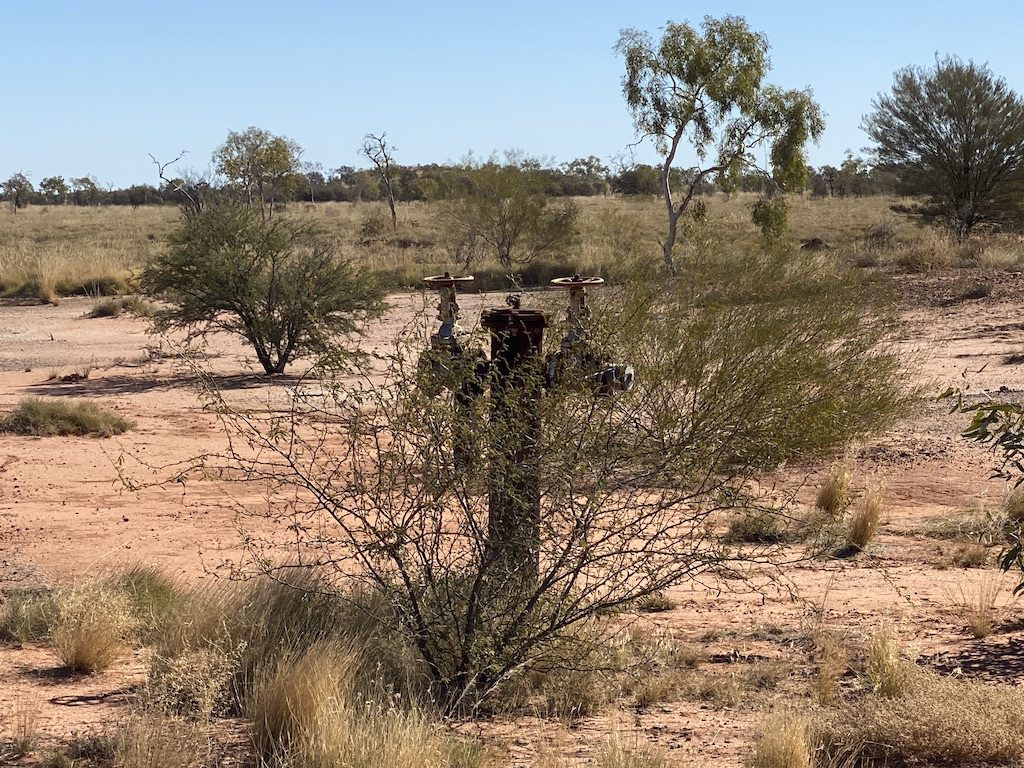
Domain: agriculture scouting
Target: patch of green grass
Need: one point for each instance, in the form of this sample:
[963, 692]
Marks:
[47, 417]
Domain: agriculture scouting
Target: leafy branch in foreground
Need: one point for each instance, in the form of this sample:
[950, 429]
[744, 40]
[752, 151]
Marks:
[1000, 426]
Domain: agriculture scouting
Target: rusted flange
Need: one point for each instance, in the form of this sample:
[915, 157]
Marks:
[513, 320]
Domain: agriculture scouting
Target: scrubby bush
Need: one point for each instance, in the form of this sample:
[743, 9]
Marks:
[881, 235]
[745, 363]
[267, 280]
[116, 306]
[48, 417]
[932, 720]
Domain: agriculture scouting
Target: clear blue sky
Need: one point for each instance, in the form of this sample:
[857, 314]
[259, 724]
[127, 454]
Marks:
[92, 87]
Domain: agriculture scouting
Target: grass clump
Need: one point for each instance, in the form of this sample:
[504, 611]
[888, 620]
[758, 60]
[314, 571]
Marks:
[831, 661]
[933, 721]
[152, 597]
[23, 727]
[785, 742]
[43, 417]
[756, 526]
[91, 628]
[865, 518]
[981, 608]
[116, 306]
[244, 629]
[155, 740]
[308, 711]
[617, 754]
[1013, 506]
[833, 497]
[970, 556]
[888, 674]
[26, 615]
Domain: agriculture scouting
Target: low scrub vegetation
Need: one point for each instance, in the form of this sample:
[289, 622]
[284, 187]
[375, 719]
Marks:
[91, 627]
[930, 720]
[116, 306]
[47, 417]
[983, 605]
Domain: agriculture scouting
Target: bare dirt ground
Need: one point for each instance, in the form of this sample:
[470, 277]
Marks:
[65, 516]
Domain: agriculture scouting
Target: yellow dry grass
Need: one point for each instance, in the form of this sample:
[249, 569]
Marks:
[865, 518]
[785, 742]
[49, 251]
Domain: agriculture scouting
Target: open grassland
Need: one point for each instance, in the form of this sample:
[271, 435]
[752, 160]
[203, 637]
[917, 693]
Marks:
[52, 251]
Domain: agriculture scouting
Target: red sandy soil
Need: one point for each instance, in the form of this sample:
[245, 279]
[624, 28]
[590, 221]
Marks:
[64, 516]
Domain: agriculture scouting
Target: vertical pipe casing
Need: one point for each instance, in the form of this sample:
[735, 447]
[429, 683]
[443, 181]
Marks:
[517, 380]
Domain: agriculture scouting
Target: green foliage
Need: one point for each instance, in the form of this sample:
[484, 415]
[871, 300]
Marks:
[506, 213]
[771, 215]
[269, 282]
[708, 90]
[955, 135]
[47, 417]
[55, 189]
[17, 190]
[742, 363]
[264, 166]
[999, 425]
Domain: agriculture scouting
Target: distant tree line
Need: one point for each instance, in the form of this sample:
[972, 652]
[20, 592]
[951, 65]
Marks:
[308, 182]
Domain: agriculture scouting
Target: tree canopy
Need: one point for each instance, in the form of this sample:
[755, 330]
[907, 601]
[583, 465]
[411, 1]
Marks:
[270, 282]
[708, 89]
[259, 163]
[954, 134]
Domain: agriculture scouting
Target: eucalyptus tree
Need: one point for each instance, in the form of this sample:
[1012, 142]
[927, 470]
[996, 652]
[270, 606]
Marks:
[17, 190]
[707, 88]
[259, 163]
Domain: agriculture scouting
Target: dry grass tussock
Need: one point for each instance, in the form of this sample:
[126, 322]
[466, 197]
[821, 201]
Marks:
[833, 497]
[20, 728]
[1013, 506]
[92, 626]
[983, 604]
[831, 660]
[307, 713]
[44, 417]
[155, 740]
[934, 720]
[115, 306]
[887, 672]
[865, 517]
[617, 753]
[786, 741]
[911, 715]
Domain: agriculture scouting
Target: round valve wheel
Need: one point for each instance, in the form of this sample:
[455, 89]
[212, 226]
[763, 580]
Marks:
[577, 282]
[446, 280]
